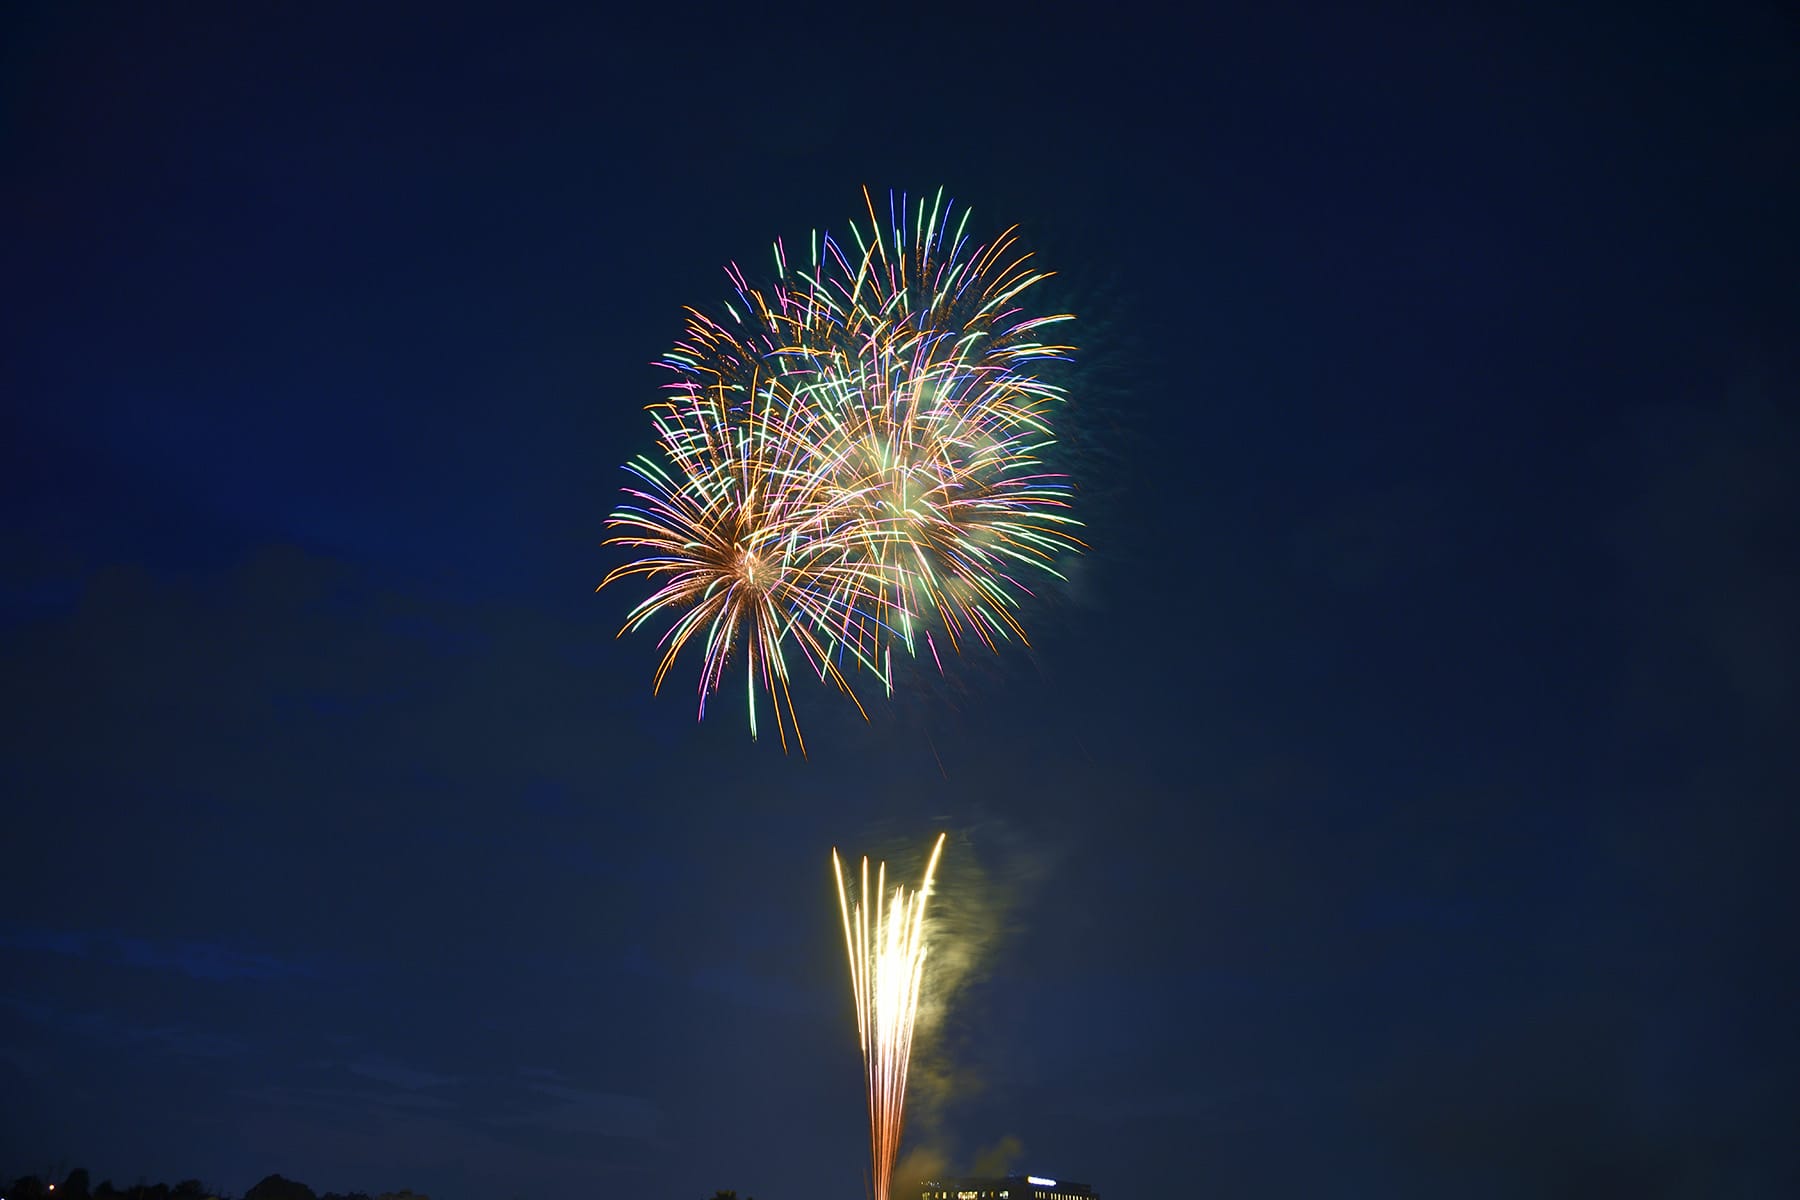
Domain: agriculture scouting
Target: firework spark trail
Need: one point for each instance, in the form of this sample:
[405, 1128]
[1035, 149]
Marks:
[885, 939]
[848, 456]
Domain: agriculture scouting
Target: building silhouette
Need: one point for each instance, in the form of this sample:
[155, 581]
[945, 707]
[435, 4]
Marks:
[1009, 1187]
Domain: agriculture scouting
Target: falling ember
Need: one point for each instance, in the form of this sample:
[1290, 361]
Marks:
[885, 938]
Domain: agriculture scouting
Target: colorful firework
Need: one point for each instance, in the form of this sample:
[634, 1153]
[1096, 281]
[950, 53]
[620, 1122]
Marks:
[849, 458]
[885, 938]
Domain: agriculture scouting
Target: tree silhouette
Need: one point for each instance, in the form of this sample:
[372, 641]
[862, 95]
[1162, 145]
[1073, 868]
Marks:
[277, 1188]
[75, 1186]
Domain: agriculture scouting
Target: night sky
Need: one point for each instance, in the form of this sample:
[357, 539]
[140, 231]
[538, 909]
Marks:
[1399, 800]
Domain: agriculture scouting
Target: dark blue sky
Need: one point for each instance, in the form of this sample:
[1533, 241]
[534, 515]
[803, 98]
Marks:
[1398, 801]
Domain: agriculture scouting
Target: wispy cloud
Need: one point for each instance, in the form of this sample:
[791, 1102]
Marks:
[588, 1113]
[209, 961]
[386, 1070]
[768, 994]
[338, 1100]
[45, 941]
[183, 1040]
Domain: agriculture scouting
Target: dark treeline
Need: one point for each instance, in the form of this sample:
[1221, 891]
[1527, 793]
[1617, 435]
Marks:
[75, 1185]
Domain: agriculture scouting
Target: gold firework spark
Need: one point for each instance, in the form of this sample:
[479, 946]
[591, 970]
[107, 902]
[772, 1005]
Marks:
[885, 938]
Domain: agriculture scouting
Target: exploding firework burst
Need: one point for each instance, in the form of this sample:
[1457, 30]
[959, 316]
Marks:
[849, 459]
[885, 939]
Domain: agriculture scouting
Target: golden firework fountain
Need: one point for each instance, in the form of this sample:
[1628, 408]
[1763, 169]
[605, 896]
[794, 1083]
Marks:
[885, 938]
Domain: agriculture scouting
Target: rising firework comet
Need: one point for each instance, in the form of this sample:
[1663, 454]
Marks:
[850, 458]
[885, 938]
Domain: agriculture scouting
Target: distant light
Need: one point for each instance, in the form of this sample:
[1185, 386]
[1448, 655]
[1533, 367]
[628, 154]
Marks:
[1040, 1182]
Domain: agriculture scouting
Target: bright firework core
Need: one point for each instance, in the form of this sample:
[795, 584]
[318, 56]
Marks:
[885, 938]
[747, 564]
